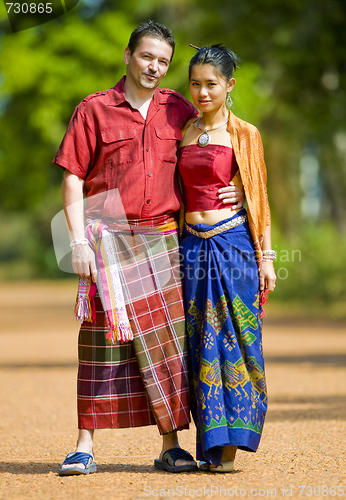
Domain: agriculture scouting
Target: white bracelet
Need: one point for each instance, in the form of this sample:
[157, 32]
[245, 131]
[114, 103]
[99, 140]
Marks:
[82, 241]
[269, 255]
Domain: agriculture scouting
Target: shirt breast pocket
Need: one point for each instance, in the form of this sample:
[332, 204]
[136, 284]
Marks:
[168, 139]
[120, 146]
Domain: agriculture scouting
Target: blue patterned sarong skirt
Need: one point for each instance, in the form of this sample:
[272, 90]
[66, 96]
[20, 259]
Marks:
[224, 330]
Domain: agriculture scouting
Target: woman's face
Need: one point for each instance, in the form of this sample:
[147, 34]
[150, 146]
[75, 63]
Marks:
[208, 88]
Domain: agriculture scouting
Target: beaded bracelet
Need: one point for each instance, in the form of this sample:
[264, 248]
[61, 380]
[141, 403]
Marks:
[269, 255]
[82, 241]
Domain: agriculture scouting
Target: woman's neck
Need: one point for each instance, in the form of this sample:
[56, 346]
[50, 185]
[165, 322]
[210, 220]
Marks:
[213, 119]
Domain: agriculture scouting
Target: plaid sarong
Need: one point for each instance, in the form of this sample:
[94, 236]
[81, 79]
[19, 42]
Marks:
[145, 381]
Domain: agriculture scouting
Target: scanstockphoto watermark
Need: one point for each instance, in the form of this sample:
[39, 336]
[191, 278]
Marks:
[225, 492]
[208, 491]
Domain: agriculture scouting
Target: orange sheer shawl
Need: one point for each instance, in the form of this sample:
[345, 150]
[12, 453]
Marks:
[252, 176]
[247, 144]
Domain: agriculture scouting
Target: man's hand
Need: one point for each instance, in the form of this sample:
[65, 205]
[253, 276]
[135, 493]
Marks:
[83, 258]
[83, 261]
[232, 195]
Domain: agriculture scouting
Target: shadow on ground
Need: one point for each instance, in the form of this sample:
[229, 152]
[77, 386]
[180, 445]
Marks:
[317, 359]
[34, 468]
[307, 408]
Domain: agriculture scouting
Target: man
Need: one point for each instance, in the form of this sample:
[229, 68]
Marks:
[126, 139]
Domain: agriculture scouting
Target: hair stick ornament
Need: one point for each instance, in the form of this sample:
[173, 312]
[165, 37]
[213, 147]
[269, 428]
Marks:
[194, 46]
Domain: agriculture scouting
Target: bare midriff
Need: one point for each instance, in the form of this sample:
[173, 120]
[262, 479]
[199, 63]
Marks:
[209, 217]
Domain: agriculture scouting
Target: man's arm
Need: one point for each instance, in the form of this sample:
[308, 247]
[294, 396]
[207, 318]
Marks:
[83, 258]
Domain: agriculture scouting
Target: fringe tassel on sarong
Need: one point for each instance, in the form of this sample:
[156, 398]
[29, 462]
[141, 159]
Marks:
[85, 303]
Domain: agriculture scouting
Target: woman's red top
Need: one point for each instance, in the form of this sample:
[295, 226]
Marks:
[203, 172]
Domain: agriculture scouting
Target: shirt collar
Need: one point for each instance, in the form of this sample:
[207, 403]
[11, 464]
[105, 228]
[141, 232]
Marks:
[117, 95]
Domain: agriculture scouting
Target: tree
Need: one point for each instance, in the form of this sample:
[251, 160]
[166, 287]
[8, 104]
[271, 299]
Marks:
[291, 84]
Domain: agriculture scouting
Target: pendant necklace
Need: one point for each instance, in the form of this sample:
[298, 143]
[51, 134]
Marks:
[204, 139]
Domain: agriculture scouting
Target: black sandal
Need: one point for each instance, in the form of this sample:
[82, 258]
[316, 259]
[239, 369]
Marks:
[169, 459]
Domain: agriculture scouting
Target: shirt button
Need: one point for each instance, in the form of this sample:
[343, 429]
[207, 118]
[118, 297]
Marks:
[150, 174]
[148, 201]
[147, 149]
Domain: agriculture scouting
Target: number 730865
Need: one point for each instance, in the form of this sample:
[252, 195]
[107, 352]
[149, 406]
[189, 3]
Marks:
[324, 491]
[32, 8]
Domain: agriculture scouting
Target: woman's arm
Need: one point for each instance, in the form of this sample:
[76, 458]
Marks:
[267, 273]
[83, 258]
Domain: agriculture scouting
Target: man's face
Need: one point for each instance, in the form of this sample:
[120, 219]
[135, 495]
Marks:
[149, 62]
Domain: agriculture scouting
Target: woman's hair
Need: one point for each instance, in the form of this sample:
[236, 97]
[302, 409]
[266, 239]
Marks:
[219, 56]
[155, 30]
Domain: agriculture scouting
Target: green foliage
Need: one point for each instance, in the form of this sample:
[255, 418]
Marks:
[310, 267]
[251, 98]
[47, 71]
[290, 84]
[27, 251]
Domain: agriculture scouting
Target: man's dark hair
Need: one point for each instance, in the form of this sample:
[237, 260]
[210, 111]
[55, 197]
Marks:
[155, 30]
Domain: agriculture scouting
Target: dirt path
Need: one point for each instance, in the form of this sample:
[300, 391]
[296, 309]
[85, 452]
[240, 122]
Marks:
[302, 452]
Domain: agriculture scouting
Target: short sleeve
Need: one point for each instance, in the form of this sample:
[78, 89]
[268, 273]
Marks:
[194, 113]
[77, 149]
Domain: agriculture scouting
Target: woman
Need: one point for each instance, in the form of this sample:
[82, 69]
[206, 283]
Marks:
[227, 264]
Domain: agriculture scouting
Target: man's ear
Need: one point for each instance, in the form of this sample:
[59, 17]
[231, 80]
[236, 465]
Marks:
[127, 55]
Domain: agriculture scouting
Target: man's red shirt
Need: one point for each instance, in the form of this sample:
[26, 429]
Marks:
[110, 145]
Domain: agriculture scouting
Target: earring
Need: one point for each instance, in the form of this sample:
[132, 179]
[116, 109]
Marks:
[229, 102]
